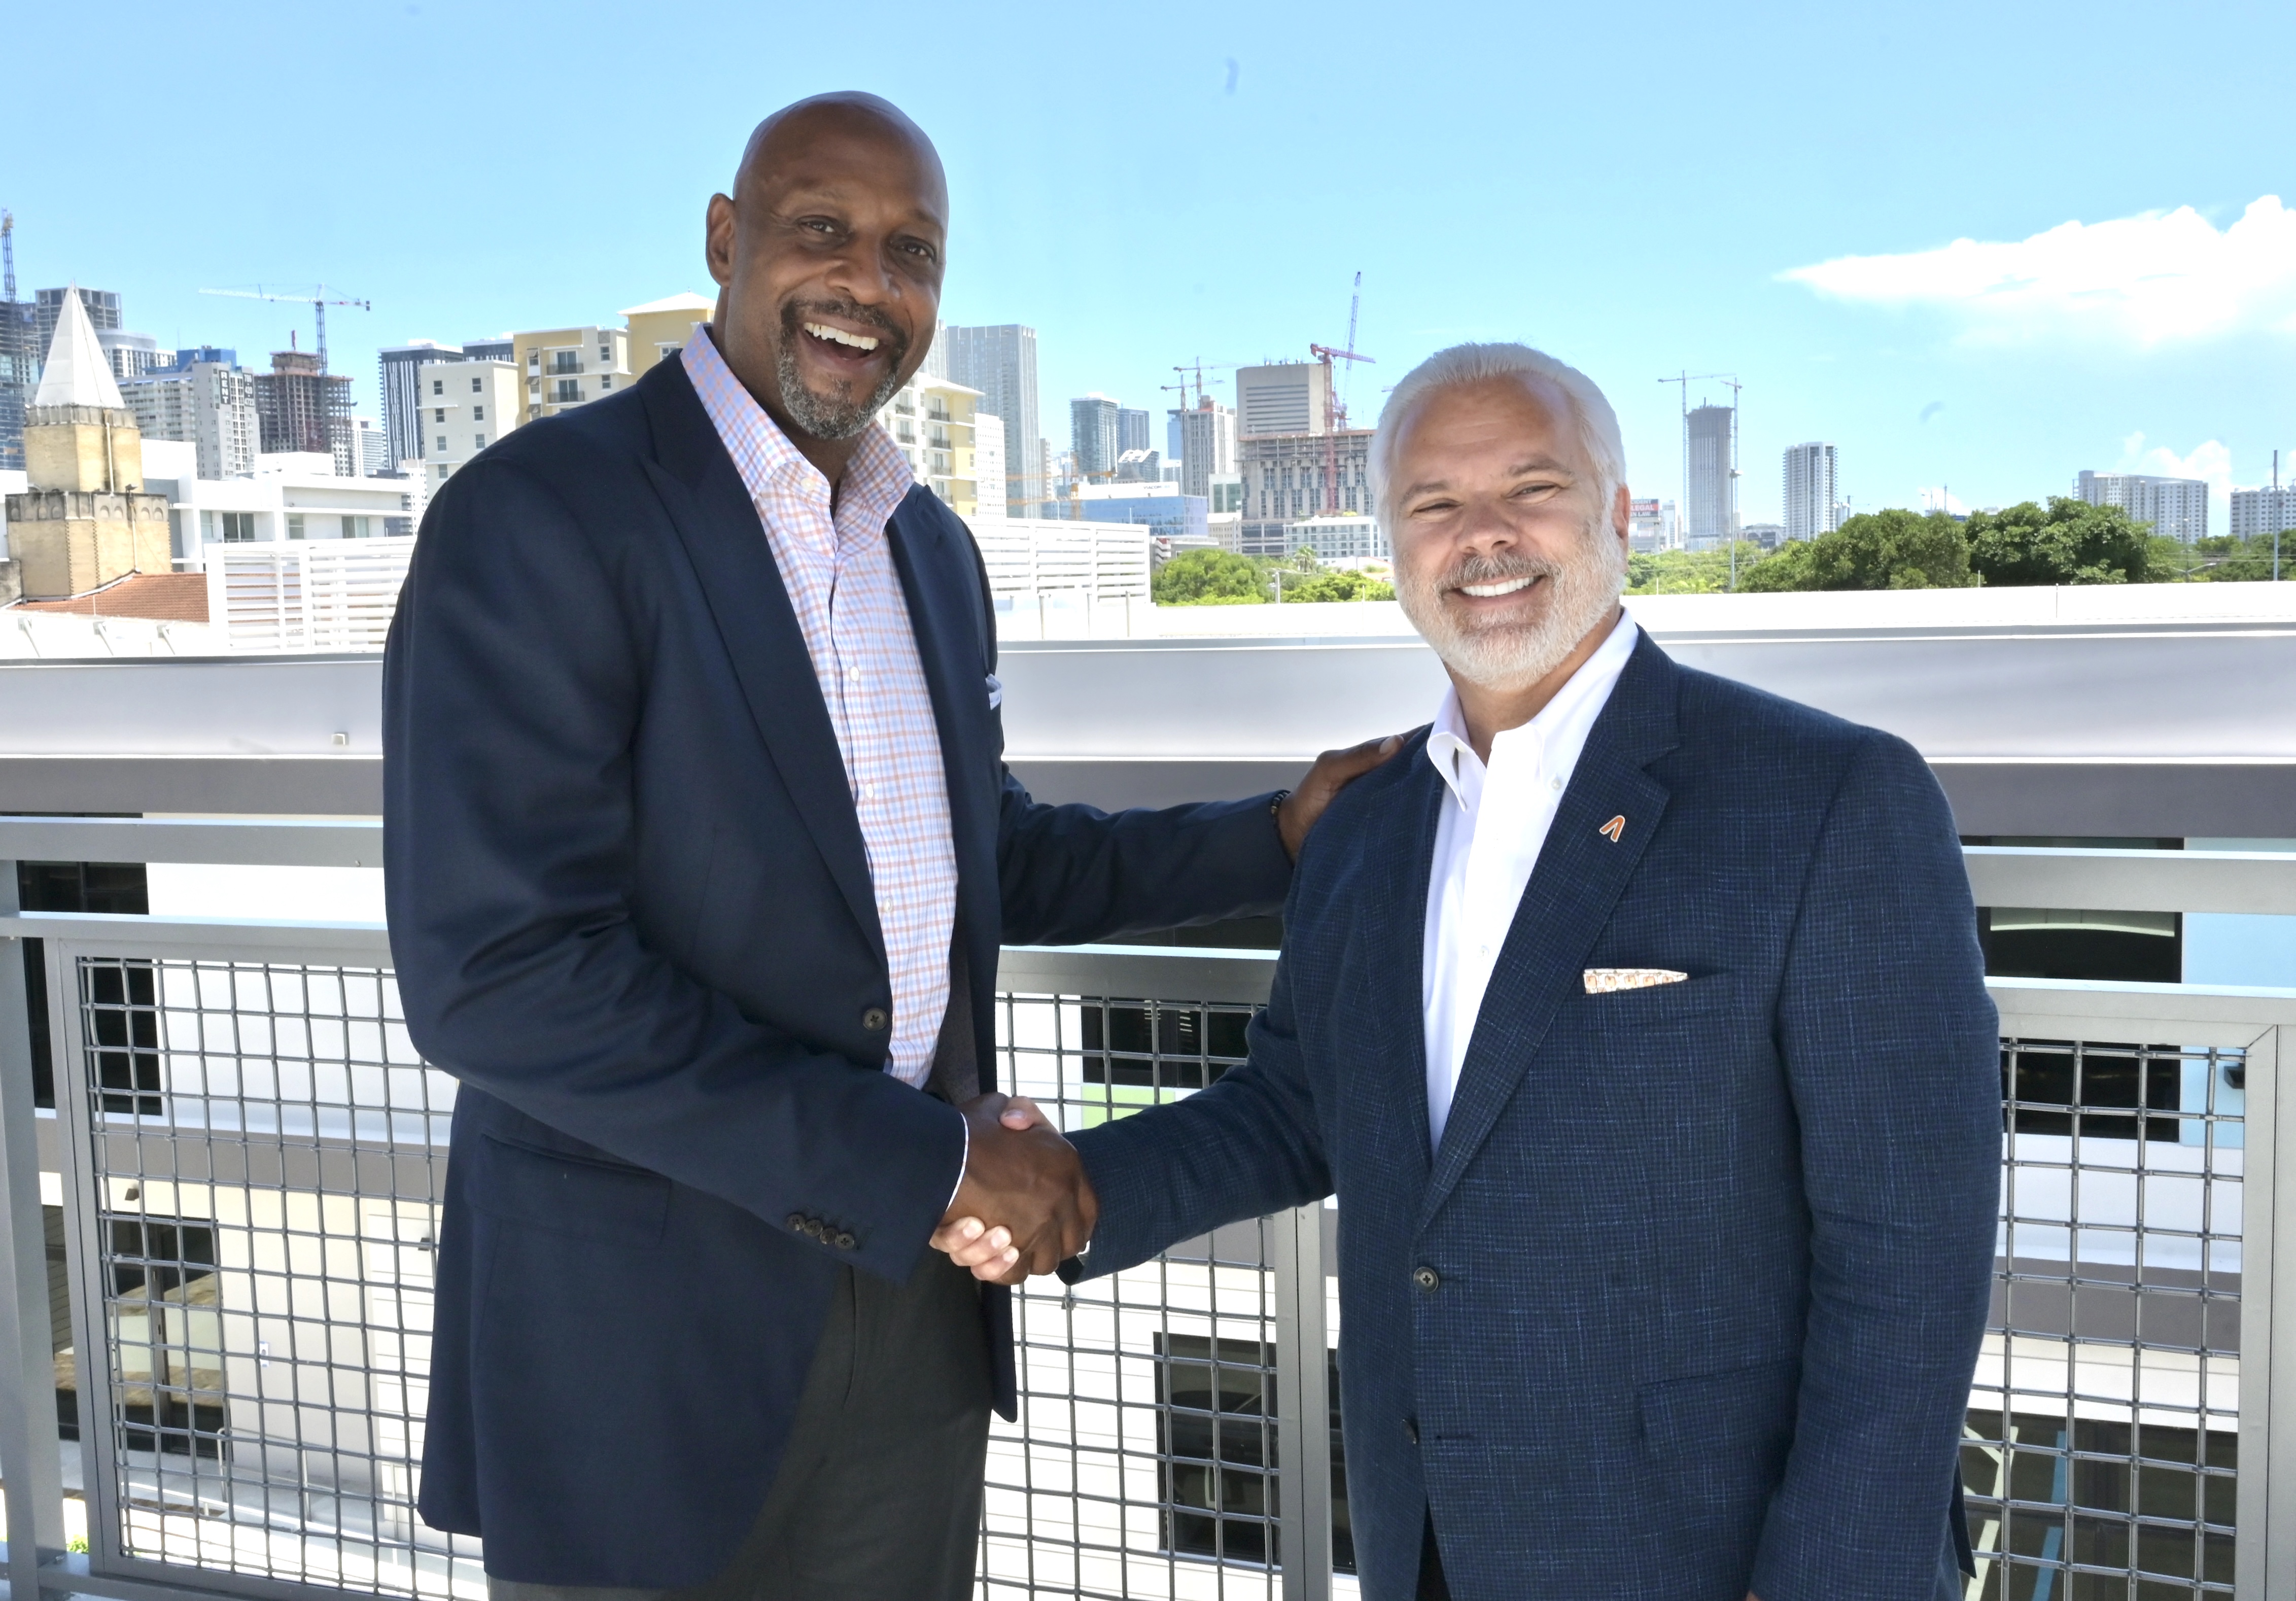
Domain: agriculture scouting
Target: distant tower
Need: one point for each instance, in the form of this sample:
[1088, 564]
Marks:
[1813, 506]
[1710, 462]
[85, 521]
[1093, 429]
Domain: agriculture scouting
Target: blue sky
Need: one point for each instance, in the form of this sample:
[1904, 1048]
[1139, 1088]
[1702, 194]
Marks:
[1629, 186]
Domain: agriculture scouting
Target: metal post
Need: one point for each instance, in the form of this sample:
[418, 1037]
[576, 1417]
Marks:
[1303, 1404]
[28, 1454]
[2264, 1550]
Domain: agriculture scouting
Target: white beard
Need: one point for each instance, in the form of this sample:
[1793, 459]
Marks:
[1580, 592]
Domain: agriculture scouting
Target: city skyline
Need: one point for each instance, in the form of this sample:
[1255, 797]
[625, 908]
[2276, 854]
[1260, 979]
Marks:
[2119, 298]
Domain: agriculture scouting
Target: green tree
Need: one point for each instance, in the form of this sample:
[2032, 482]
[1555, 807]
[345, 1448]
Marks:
[2069, 542]
[1894, 549]
[1337, 585]
[1209, 578]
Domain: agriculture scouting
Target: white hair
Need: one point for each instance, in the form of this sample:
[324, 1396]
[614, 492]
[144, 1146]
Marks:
[1461, 365]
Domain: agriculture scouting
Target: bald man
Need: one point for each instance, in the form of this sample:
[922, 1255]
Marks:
[700, 848]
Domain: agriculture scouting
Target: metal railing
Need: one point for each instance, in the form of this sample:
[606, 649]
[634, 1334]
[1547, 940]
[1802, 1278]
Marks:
[245, 1157]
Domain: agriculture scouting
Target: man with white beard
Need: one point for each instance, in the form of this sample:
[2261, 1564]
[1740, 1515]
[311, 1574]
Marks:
[1638, 1020]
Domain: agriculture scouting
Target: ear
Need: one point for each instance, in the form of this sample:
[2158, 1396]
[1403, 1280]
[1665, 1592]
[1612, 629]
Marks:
[719, 233]
[1621, 506]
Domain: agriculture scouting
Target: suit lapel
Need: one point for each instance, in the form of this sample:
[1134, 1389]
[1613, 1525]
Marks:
[718, 525]
[939, 581]
[1395, 934]
[1581, 873]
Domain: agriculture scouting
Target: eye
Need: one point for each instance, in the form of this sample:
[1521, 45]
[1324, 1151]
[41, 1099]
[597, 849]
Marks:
[919, 248]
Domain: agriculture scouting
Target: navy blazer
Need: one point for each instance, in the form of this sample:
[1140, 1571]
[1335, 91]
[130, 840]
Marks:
[1689, 1300]
[630, 911]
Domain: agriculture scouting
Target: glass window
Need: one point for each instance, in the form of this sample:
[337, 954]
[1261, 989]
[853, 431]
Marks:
[439, 414]
[475, 389]
[438, 386]
[294, 525]
[442, 441]
[478, 441]
[477, 414]
[605, 380]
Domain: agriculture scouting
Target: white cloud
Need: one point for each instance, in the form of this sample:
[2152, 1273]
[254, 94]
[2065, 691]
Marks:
[2210, 462]
[2147, 280]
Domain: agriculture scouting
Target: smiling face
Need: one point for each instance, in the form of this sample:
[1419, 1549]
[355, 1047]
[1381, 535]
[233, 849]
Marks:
[1506, 557]
[828, 264]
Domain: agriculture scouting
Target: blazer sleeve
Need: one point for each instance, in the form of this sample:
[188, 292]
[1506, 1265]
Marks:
[1075, 874]
[513, 685]
[1245, 1146]
[1891, 1048]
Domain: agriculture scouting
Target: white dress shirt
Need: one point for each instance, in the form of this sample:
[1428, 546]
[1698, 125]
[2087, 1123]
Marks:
[1486, 844]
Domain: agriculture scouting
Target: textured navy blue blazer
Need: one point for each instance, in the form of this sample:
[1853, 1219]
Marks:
[630, 911]
[1689, 1300]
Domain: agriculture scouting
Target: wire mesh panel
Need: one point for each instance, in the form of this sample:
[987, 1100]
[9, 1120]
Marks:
[1145, 1457]
[266, 1155]
[2101, 1450]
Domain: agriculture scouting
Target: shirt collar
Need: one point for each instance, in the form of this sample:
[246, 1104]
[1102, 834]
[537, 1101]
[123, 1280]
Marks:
[1454, 756]
[876, 480]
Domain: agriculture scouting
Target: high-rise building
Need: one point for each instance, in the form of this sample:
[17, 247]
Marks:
[301, 408]
[1000, 361]
[1813, 504]
[1093, 434]
[465, 407]
[1710, 473]
[566, 367]
[2177, 507]
[19, 369]
[206, 403]
[101, 305]
[131, 355]
[1131, 429]
[2271, 511]
[399, 370]
[1284, 478]
[1205, 444]
[1285, 396]
[990, 490]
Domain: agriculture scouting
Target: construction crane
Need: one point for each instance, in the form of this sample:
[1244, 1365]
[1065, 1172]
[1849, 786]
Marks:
[1355, 304]
[1730, 513]
[319, 304]
[1335, 411]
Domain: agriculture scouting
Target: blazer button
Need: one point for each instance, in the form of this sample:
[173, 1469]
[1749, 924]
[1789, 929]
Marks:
[797, 1222]
[1426, 1278]
[846, 1242]
[813, 1227]
[875, 1019]
[1411, 1429]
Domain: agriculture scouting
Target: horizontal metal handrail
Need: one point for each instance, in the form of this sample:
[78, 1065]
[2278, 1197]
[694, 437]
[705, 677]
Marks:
[215, 841]
[2070, 879]
[2232, 1013]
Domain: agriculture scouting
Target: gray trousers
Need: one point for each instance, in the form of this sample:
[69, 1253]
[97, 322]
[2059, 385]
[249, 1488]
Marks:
[879, 1496]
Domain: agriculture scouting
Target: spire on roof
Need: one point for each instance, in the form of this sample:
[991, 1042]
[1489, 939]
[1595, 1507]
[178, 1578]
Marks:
[77, 372]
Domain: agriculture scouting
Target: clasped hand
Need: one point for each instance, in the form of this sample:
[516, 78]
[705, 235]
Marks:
[1024, 1205]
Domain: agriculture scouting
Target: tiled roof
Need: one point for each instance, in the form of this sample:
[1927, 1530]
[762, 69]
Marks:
[160, 596]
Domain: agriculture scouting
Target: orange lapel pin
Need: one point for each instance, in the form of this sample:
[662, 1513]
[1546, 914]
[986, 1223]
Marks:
[1615, 828]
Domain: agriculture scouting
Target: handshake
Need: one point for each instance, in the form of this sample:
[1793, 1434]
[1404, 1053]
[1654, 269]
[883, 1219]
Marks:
[1024, 1205]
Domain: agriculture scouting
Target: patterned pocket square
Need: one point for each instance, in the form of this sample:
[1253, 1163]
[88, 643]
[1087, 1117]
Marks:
[1601, 980]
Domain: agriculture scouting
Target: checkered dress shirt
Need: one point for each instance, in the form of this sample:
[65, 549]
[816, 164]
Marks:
[838, 569]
